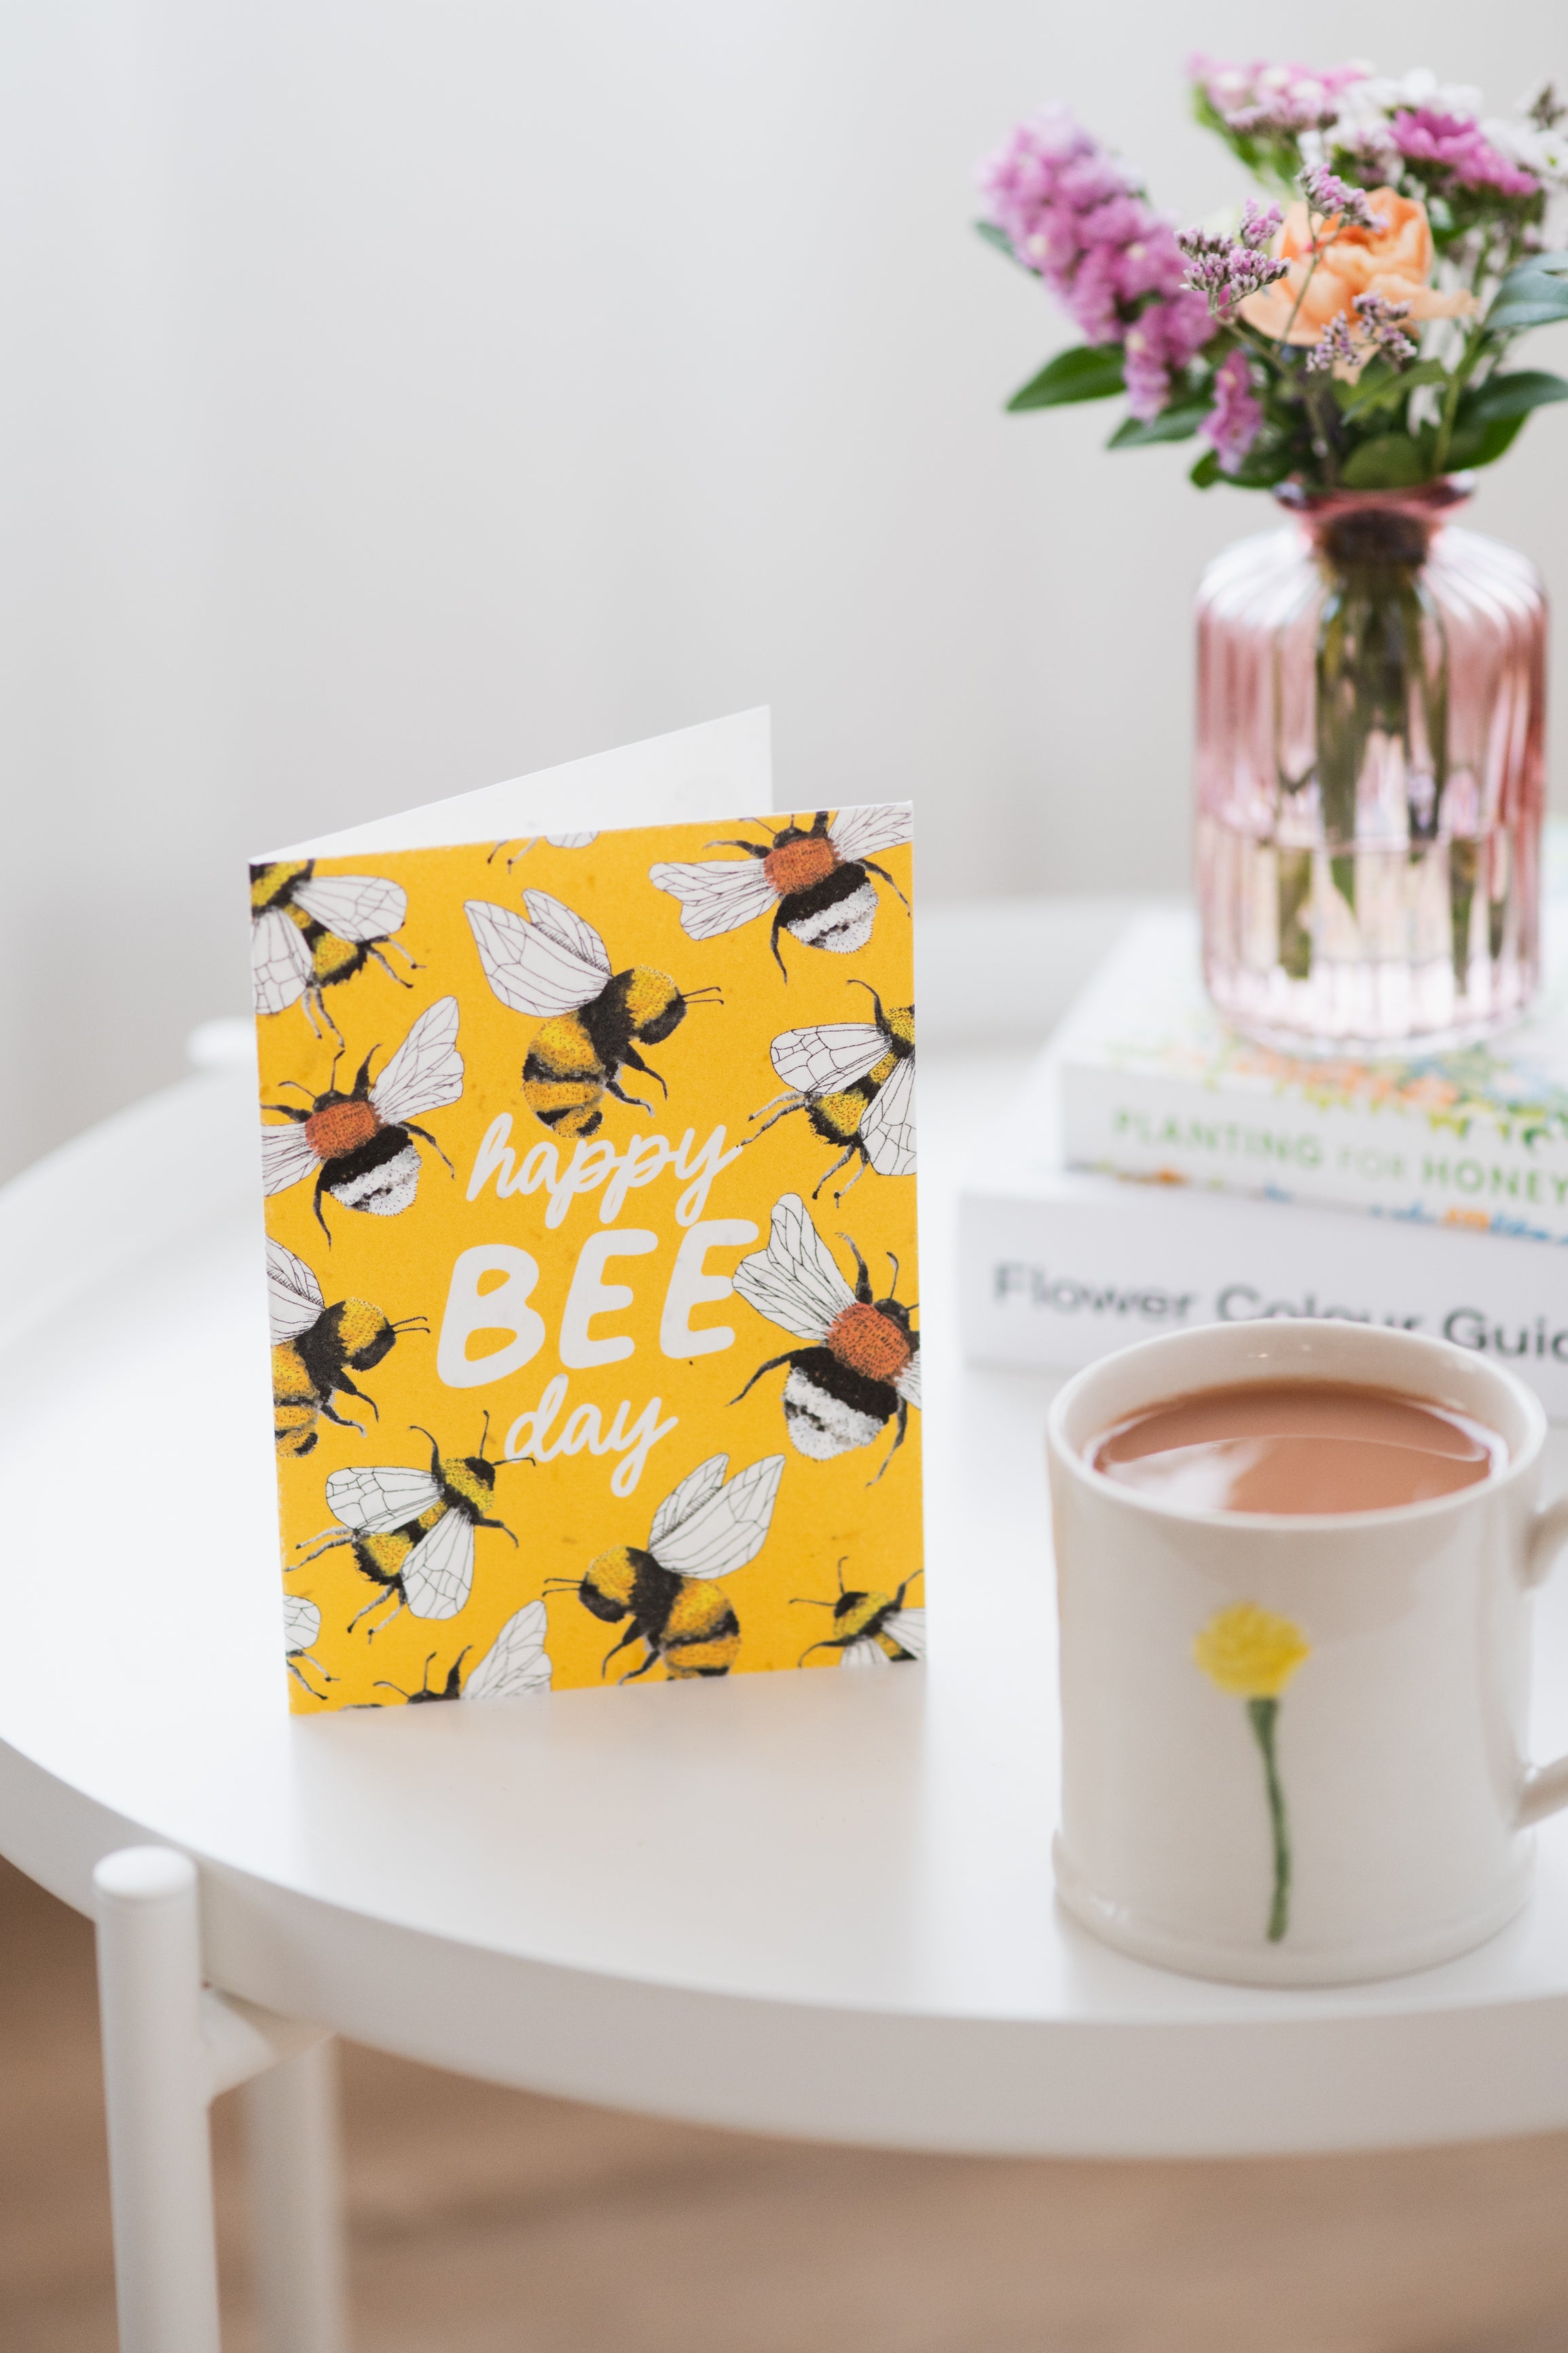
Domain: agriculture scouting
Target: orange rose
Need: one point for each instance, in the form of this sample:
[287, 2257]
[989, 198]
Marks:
[1395, 261]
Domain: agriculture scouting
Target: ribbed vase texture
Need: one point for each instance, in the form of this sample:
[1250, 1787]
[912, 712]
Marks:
[1372, 683]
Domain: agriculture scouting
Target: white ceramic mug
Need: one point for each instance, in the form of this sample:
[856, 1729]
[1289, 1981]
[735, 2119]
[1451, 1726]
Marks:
[1293, 1749]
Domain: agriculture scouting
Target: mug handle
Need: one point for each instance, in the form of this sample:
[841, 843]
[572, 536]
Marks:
[1545, 1786]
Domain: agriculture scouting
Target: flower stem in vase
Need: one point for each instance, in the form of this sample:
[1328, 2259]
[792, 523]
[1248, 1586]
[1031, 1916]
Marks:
[1464, 862]
[1371, 663]
[1264, 1714]
[1347, 698]
[1294, 867]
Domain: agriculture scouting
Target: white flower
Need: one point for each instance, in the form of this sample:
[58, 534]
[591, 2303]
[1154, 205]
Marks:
[1366, 106]
[1544, 153]
[1421, 87]
[1231, 87]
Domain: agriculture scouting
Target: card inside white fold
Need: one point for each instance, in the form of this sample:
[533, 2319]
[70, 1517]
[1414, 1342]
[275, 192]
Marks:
[722, 769]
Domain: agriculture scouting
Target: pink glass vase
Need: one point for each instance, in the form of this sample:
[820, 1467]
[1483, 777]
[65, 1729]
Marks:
[1372, 688]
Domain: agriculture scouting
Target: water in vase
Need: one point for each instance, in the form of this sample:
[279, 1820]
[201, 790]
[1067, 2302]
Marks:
[1370, 776]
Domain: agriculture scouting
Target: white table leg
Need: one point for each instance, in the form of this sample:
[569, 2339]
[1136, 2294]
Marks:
[156, 2086]
[291, 2132]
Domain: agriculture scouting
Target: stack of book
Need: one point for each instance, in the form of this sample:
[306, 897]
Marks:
[1158, 1171]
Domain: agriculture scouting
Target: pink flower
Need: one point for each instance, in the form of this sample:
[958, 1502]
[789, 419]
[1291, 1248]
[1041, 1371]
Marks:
[1259, 100]
[1373, 324]
[1459, 148]
[1091, 297]
[1233, 424]
[1120, 220]
[1161, 341]
[1039, 185]
[1074, 215]
[1329, 197]
[1227, 271]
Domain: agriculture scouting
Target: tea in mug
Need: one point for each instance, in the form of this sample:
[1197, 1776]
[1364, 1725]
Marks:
[1297, 1448]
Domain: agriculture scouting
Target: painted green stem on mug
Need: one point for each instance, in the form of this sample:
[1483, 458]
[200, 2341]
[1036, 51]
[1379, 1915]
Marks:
[1264, 1714]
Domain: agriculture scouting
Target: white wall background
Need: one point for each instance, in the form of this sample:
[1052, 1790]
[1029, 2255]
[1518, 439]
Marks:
[401, 394]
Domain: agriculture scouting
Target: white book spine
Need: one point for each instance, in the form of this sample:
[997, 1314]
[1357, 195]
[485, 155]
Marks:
[1058, 1274]
[1251, 1141]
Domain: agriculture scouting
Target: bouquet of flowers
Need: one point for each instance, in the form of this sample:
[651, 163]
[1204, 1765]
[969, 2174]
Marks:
[1353, 333]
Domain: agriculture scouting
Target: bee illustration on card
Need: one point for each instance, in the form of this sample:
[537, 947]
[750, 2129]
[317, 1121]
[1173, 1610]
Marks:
[702, 1530]
[550, 841]
[412, 1532]
[515, 1663]
[316, 1348]
[312, 931]
[855, 1080]
[360, 1145]
[860, 1366]
[815, 880]
[869, 1630]
[556, 965]
[302, 1631]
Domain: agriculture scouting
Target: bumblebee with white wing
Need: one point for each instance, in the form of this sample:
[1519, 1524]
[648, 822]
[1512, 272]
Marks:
[314, 1347]
[556, 964]
[412, 1532]
[815, 879]
[312, 931]
[869, 1630]
[701, 1531]
[855, 1080]
[301, 1631]
[515, 1663]
[552, 840]
[360, 1145]
[860, 1368]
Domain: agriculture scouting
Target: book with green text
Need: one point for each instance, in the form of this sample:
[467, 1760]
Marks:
[1154, 1085]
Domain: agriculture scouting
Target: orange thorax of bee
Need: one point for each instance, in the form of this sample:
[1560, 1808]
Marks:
[800, 864]
[869, 1342]
[340, 1127]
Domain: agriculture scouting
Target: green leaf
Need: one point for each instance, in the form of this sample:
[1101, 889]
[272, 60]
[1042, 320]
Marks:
[1528, 297]
[1482, 445]
[1390, 463]
[1262, 469]
[1511, 396]
[1171, 424]
[1088, 371]
[996, 237]
[1526, 309]
[1206, 473]
[1382, 391]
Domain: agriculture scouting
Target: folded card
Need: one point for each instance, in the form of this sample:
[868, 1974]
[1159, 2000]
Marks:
[588, 1148]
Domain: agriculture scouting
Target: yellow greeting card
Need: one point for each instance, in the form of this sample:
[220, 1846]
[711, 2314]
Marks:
[588, 1148]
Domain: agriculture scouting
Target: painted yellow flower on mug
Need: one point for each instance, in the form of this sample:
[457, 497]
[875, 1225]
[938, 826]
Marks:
[1249, 1651]
[1252, 1654]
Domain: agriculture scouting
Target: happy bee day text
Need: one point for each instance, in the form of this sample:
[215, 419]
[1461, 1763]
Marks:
[596, 1164]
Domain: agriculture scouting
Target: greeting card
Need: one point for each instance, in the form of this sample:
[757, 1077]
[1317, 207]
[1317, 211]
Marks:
[588, 1149]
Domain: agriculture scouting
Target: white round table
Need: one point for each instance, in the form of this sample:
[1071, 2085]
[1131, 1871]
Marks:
[809, 1903]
